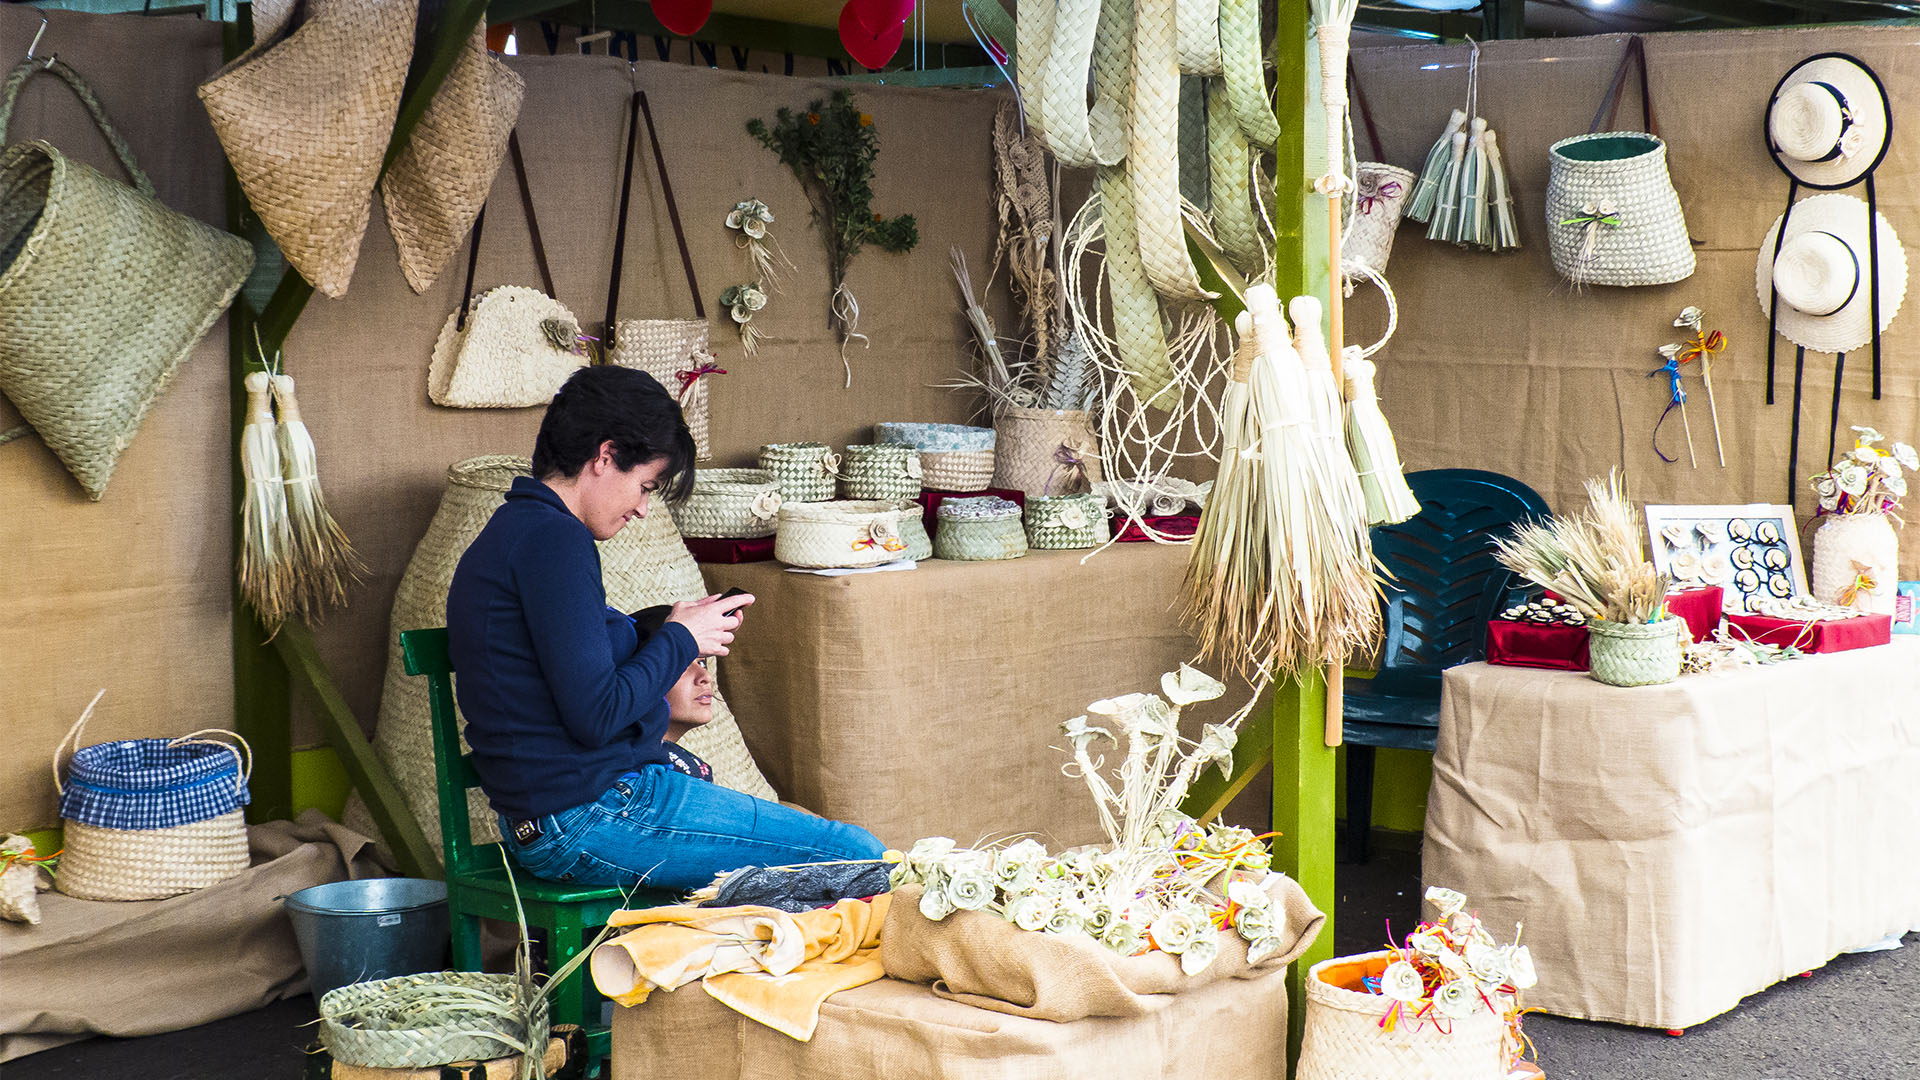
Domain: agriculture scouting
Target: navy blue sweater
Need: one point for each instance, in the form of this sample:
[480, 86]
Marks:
[560, 698]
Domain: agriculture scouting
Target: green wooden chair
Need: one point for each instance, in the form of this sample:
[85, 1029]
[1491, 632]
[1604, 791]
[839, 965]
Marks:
[477, 885]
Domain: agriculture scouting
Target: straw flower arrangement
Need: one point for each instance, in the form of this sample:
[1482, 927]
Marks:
[1593, 560]
[1165, 882]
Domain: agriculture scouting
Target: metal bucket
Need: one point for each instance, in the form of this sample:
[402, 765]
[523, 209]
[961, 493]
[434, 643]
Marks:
[375, 928]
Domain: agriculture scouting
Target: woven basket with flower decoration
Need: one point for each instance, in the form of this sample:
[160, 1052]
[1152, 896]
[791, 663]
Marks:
[848, 534]
[1066, 521]
[881, 471]
[732, 504]
[805, 471]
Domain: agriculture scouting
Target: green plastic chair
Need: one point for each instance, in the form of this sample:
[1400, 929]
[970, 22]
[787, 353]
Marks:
[477, 886]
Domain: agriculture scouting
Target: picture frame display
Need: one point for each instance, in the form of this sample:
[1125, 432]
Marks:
[1752, 552]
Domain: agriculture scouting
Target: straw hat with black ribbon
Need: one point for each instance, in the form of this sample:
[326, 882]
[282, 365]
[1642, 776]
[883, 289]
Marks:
[1828, 124]
[1830, 283]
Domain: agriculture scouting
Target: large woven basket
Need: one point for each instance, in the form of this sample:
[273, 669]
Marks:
[1344, 1040]
[371, 1025]
[1066, 521]
[150, 864]
[1045, 451]
[1613, 217]
[1636, 654]
[304, 117]
[643, 565]
[732, 504]
[846, 534]
[980, 529]
[805, 471]
[888, 471]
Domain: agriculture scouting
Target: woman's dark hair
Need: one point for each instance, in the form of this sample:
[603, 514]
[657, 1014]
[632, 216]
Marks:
[629, 407]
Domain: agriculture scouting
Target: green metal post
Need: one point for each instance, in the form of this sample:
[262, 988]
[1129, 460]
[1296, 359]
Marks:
[1303, 766]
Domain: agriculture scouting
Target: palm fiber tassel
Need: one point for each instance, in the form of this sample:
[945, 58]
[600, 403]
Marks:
[1426, 190]
[266, 542]
[1370, 444]
[324, 562]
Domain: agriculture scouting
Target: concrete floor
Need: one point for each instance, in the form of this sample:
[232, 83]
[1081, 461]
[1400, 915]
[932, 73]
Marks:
[1857, 1018]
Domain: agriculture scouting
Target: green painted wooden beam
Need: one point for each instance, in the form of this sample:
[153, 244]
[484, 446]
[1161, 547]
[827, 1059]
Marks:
[405, 840]
[1503, 19]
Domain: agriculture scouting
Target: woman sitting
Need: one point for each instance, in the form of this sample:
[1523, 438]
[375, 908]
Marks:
[566, 708]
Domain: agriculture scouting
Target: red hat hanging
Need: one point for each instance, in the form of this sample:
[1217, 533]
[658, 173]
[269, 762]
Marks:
[683, 17]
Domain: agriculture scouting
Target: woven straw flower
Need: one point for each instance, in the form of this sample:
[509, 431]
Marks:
[1245, 894]
[926, 853]
[970, 888]
[1071, 517]
[1179, 927]
[1032, 911]
[1122, 936]
[1189, 685]
[913, 469]
[1265, 949]
[934, 902]
[1488, 963]
[765, 506]
[1455, 1000]
[1199, 954]
[1519, 965]
[1253, 923]
[1426, 943]
[1068, 918]
[750, 216]
[1851, 477]
[1401, 982]
[1905, 455]
[830, 463]
[1446, 901]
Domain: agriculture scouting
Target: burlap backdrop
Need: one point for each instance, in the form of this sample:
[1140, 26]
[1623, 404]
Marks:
[1498, 365]
[133, 593]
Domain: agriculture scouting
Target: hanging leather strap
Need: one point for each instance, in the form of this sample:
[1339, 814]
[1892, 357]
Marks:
[1833, 422]
[1366, 114]
[533, 229]
[1610, 105]
[1873, 285]
[639, 109]
[1793, 448]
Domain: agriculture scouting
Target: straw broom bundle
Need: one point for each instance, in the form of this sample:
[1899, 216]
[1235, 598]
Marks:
[324, 562]
[266, 541]
[1370, 443]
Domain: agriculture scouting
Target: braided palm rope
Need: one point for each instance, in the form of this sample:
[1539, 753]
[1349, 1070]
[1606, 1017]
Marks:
[1033, 33]
[1063, 87]
[1197, 36]
[1153, 167]
[1246, 80]
[1230, 172]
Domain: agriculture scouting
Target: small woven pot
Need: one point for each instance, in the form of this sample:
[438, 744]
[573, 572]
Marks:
[1344, 1040]
[1045, 451]
[804, 471]
[1066, 521]
[148, 864]
[956, 470]
[889, 471]
[825, 535]
[730, 504]
[1382, 196]
[372, 1025]
[1634, 233]
[1841, 546]
[981, 529]
[1636, 654]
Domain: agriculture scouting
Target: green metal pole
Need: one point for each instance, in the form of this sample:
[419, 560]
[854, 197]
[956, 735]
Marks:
[1303, 765]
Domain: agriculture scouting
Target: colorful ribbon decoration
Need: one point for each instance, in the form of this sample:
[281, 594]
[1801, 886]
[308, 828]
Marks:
[1863, 580]
[1671, 369]
[45, 862]
[1704, 347]
[1068, 458]
[692, 375]
[1369, 196]
[1591, 217]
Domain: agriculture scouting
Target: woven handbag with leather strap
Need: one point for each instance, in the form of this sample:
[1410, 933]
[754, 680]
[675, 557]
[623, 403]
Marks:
[103, 291]
[677, 352]
[513, 346]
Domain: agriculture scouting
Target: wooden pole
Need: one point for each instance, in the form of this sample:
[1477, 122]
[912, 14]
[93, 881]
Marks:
[1337, 335]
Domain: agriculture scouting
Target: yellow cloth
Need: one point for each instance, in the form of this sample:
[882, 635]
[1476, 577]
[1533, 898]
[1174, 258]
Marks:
[766, 964]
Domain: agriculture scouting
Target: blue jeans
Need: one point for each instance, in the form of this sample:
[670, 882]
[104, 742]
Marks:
[667, 830]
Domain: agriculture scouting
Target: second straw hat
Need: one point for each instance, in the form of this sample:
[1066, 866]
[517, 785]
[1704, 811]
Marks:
[305, 116]
[1828, 121]
[1825, 277]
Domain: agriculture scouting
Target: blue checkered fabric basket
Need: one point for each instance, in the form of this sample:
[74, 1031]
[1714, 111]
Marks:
[150, 818]
[153, 783]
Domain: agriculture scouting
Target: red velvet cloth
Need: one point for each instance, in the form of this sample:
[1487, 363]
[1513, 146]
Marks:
[1176, 526]
[1700, 607]
[730, 551]
[1522, 644]
[1860, 632]
[930, 501]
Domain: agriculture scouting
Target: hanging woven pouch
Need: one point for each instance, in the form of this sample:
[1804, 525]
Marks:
[150, 818]
[103, 291]
[1613, 217]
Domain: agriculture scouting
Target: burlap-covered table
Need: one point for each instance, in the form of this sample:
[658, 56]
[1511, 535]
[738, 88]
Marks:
[924, 702]
[1235, 1029]
[1673, 849]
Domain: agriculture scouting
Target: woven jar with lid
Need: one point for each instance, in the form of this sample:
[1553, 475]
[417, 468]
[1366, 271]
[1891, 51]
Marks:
[979, 529]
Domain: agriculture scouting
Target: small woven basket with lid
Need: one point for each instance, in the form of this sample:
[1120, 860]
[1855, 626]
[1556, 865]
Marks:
[805, 471]
[1066, 521]
[730, 504]
[979, 529]
[953, 457]
[888, 471]
[846, 534]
